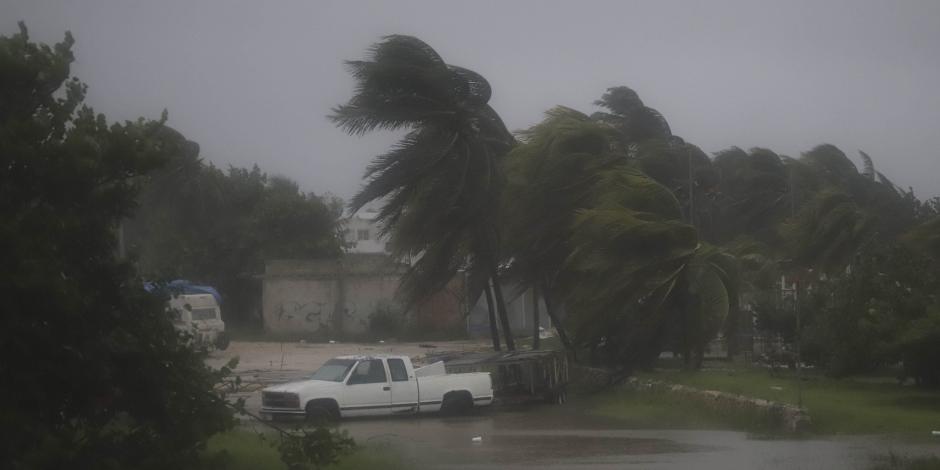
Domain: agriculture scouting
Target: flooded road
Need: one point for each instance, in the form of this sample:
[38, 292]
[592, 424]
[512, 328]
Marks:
[552, 437]
[561, 437]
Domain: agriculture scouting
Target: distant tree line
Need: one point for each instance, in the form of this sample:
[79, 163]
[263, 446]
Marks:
[198, 222]
[646, 242]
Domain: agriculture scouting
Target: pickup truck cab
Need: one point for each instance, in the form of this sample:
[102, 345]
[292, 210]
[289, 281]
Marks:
[376, 385]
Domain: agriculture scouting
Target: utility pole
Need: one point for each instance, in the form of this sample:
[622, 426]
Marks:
[122, 251]
[799, 335]
[796, 309]
[792, 194]
[691, 189]
[535, 318]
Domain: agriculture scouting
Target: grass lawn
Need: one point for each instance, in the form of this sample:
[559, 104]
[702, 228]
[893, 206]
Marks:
[835, 406]
[648, 410]
[896, 462]
[248, 451]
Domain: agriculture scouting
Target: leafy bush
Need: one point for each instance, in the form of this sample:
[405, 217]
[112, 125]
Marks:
[314, 449]
[882, 311]
[387, 321]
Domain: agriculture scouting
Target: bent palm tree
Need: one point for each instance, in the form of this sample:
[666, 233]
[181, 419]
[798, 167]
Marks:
[549, 178]
[646, 139]
[752, 193]
[842, 210]
[440, 184]
[591, 231]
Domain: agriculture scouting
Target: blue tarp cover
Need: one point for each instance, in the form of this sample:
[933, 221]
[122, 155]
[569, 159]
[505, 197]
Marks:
[181, 287]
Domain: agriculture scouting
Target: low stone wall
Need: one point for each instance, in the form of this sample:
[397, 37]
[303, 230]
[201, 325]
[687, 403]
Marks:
[789, 418]
[588, 378]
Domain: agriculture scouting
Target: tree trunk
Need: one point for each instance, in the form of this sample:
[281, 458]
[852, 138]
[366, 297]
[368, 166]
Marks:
[535, 318]
[731, 334]
[557, 324]
[491, 309]
[699, 357]
[503, 314]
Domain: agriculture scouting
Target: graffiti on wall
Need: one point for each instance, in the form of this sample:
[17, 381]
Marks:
[309, 311]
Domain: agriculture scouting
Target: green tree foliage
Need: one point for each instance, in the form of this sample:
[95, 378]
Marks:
[925, 238]
[217, 227]
[917, 344]
[314, 449]
[706, 302]
[880, 311]
[647, 140]
[550, 178]
[94, 374]
[842, 210]
[441, 185]
[752, 195]
[593, 232]
[819, 219]
[829, 230]
[634, 121]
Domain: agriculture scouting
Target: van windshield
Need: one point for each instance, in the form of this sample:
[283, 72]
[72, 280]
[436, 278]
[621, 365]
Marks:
[334, 370]
[205, 313]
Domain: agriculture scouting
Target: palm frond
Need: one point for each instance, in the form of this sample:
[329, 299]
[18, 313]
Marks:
[869, 169]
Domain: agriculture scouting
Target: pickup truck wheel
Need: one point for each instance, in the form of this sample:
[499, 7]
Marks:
[321, 412]
[457, 403]
[222, 341]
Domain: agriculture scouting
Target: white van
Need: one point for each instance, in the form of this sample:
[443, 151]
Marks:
[200, 315]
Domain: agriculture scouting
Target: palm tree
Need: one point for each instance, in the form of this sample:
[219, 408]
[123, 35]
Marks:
[925, 237]
[550, 177]
[646, 139]
[592, 232]
[840, 211]
[707, 298]
[440, 184]
[626, 113]
[752, 194]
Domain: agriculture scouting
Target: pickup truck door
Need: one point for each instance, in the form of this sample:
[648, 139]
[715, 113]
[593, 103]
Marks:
[404, 387]
[367, 390]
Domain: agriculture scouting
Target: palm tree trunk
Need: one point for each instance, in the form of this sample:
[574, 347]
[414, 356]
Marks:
[535, 318]
[731, 331]
[699, 357]
[685, 338]
[491, 309]
[503, 314]
[557, 324]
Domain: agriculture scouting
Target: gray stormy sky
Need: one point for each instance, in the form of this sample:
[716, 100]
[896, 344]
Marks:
[253, 81]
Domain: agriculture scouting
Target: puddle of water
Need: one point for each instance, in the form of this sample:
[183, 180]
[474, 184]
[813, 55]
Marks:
[564, 437]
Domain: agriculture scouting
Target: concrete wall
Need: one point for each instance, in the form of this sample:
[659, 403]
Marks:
[333, 295]
[302, 304]
[363, 294]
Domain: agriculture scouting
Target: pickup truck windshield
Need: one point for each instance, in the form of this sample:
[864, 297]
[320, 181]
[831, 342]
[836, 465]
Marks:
[334, 370]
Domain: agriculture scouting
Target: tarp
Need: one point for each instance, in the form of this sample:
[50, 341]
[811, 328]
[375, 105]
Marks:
[183, 287]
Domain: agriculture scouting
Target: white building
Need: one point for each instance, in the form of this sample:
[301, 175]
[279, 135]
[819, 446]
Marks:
[362, 234]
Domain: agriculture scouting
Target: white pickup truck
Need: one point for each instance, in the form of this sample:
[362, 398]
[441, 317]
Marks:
[376, 385]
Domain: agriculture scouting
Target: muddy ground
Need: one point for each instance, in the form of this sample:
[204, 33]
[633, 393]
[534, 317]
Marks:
[547, 436]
